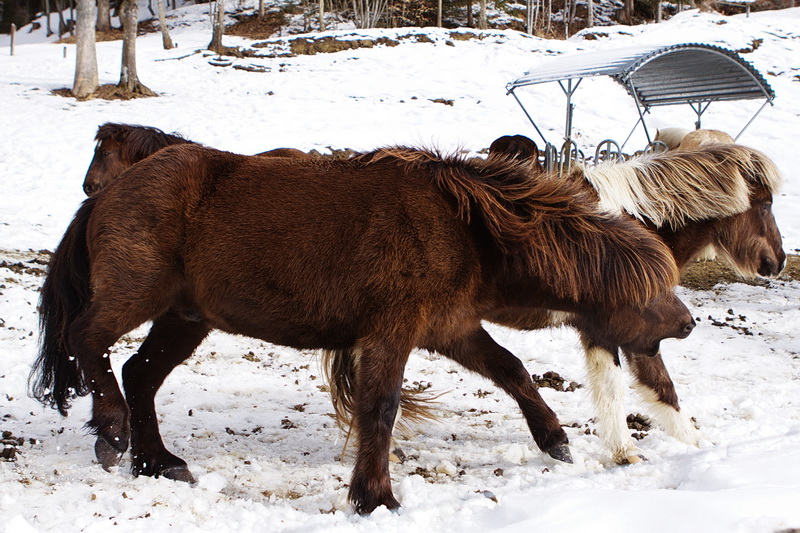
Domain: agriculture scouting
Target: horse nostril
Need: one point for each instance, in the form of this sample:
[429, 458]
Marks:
[768, 267]
[689, 327]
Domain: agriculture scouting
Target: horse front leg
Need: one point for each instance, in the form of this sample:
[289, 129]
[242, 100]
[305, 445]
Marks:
[90, 339]
[379, 378]
[655, 387]
[171, 341]
[607, 389]
[480, 353]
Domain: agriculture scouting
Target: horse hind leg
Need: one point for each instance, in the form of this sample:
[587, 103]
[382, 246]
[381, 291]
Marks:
[117, 307]
[480, 353]
[607, 389]
[379, 378]
[171, 340]
[655, 387]
[90, 337]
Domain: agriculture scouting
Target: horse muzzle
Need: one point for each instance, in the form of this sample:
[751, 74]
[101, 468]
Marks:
[772, 266]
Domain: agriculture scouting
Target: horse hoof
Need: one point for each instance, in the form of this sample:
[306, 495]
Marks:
[107, 454]
[560, 452]
[179, 473]
[632, 459]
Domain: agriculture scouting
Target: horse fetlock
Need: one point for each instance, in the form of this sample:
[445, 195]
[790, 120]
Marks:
[364, 501]
[681, 427]
[166, 464]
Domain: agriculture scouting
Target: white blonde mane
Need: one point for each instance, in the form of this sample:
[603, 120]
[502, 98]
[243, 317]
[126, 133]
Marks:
[674, 188]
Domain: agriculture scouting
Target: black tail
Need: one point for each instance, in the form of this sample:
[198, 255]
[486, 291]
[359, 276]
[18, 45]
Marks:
[55, 378]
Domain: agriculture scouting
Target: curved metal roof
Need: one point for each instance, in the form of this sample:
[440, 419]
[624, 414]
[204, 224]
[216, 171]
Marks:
[662, 75]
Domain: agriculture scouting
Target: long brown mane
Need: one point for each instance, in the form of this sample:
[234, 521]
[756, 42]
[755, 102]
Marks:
[547, 227]
[139, 141]
[673, 188]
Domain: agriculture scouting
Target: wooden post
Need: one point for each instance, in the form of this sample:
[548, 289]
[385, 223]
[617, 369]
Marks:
[13, 35]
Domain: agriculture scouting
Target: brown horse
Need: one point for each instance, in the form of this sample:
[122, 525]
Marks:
[517, 146]
[718, 198]
[119, 146]
[689, 140]
[405, 249]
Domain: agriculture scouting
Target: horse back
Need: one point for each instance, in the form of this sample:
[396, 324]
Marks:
[294, 251]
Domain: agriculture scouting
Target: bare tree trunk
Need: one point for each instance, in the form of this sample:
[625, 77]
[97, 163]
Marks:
[529, 17]
[321, 15]
[13, 31]
[482, 22]
[218, 27]
[262, 10]
[470, 17]
[590, 14]
[549, 15]
[62, 26]
[439, 14]
[47, 17]
[129, 78]
[368, 12]
[627, 12]
[166, 40]
[658, 11]
[103, 15]
[86, 78]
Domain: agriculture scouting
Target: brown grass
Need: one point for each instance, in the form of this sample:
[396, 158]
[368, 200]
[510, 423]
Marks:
[703, 275]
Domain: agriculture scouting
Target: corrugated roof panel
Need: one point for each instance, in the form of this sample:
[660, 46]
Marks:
[662, 75]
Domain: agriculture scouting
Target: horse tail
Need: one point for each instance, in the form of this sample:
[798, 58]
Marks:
[340, 367]
[55, 378]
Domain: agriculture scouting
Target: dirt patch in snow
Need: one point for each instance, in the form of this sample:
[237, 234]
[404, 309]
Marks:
[703, 275]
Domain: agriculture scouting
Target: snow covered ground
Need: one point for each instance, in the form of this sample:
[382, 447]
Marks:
[250, 418]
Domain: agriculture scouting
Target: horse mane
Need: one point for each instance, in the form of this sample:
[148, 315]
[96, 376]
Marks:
[552, 229]
[673, 188]
[138, 142]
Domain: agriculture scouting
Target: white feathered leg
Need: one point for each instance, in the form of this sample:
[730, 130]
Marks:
[607, 388]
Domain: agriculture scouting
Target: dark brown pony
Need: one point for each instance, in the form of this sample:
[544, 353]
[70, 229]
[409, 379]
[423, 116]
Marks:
[405, 249]
[119, 146]
[718, 198]
[516, 146]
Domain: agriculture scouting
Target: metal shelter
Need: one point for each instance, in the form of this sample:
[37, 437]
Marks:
[693, 74]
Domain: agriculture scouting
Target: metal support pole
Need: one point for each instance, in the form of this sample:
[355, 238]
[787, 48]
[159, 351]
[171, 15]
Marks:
[569, 91]
[628, 138]
[760, 109]
[512, 93]
[641, 113]
[699, 109]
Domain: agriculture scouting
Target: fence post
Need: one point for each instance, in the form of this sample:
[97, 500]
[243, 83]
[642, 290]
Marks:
[13, 35]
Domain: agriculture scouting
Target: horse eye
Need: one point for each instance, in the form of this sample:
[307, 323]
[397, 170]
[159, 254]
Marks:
[106, 154]
[766, 207]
